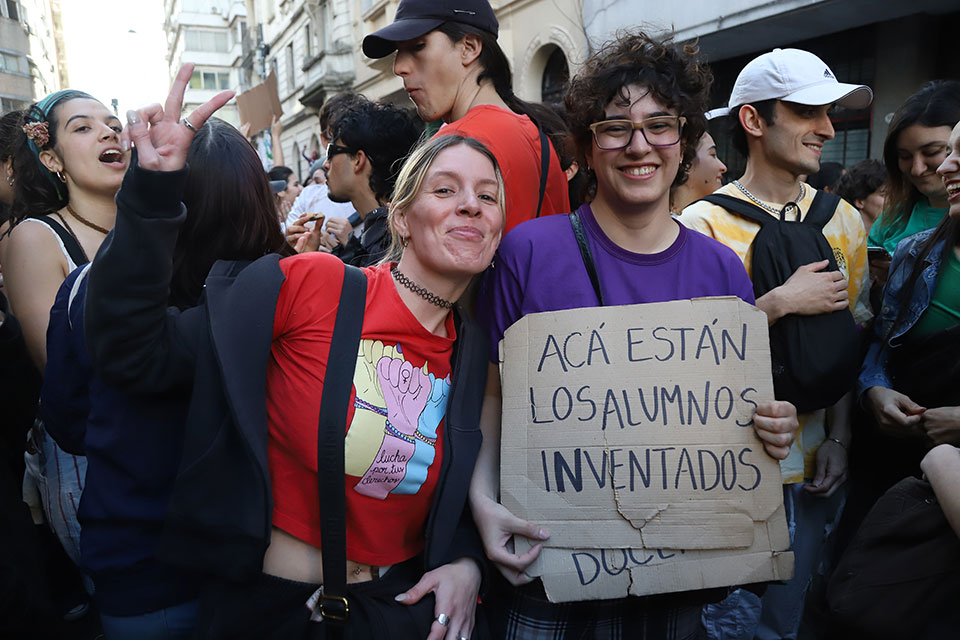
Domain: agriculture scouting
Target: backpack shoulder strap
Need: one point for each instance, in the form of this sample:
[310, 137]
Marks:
[544, 167]
[822, 210]
[70, 244]
[585, 253]
[334, 405]
[743, 208]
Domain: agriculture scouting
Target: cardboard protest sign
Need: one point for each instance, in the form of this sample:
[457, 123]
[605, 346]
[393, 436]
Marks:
[630, 428]
[258, 105]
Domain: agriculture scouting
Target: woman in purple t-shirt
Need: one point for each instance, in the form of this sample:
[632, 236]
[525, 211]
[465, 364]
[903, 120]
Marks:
[635, 114]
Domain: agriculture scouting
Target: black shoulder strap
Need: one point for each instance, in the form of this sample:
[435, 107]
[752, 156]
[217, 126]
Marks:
[585, 253]
[334, 404]
[74, 250]
[822, 210]
[544, 167]
[746, 209]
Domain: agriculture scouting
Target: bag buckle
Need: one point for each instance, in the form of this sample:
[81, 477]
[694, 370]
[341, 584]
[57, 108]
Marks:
[334, 607]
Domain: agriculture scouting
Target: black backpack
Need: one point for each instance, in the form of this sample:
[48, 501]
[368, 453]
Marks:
[815, 358]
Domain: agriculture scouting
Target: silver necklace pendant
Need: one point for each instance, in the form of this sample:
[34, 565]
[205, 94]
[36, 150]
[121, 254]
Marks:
[777, 212]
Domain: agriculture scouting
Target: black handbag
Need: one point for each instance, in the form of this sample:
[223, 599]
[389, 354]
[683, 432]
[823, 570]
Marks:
[900, 576]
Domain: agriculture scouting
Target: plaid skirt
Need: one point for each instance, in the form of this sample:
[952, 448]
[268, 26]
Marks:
[525, 614]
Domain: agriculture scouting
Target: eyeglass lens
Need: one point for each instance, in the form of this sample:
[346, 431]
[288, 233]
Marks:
[658, 131]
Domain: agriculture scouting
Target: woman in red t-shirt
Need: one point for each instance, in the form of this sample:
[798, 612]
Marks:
[407, 474]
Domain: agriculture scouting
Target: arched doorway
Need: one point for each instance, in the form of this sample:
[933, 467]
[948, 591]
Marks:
[556, 76]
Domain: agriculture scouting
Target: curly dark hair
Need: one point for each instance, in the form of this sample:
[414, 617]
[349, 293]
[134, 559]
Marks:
[333, 107]
[385, 133]
[861, 180]
[673, 73]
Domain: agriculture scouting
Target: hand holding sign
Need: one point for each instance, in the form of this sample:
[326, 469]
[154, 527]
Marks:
[497, 527]
[776, 425]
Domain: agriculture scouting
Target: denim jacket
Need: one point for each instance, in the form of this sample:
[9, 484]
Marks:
[874, 370]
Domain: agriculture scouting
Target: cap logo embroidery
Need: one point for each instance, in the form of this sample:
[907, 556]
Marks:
[827, 74]
[472, 13]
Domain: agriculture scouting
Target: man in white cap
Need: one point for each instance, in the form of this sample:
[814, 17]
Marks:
[779, 119]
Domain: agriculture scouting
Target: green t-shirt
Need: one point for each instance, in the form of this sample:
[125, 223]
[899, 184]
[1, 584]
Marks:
[922, 217]
[944, 309]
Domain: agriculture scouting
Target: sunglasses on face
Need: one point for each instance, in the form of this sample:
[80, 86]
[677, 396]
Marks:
[334, 149]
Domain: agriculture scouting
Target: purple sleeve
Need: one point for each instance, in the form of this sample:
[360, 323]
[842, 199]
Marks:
[741, 284]
[499, 301]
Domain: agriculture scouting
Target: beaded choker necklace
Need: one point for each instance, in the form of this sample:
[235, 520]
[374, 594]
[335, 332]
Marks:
[429, 296]
[777, 212]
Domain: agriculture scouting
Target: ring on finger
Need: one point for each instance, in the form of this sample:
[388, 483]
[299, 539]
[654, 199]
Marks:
[462, 638]
[443, 619]
[189, 125]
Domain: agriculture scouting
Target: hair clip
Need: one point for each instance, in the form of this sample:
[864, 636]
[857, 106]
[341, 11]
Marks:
[38, 132]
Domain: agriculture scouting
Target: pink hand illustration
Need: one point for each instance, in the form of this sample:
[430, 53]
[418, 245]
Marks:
[406, 391]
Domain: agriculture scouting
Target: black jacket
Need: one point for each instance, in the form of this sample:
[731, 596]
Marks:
[220, 512]
[372, 245]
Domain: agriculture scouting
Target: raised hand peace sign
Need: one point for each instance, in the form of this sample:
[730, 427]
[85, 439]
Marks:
[161, 137]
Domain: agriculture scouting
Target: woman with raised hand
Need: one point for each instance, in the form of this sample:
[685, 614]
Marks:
[246, 506]
[132, 441]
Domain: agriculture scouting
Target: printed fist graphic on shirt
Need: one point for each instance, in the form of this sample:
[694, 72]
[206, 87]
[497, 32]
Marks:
[425, 446]
[406, 391]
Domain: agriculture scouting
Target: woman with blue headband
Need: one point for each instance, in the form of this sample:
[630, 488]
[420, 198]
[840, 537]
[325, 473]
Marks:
[69, 164]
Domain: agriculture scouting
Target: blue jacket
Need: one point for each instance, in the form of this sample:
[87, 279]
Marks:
[132, 444]
[874, 372]
[220, 513]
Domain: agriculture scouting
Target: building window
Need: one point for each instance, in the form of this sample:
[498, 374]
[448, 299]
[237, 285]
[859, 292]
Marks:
[12, 104]
[291, 76]
[307, 41]
[11, 9]
[12, 63]
[556, 76]
[323, 29]
[211, 80]
[214, 41]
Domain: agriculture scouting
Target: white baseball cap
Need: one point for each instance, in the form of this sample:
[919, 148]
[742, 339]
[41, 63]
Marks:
[797, 76]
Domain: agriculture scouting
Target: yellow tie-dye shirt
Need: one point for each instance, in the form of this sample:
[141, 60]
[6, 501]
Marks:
[846, 236]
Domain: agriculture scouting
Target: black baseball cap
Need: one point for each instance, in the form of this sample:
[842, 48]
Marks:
[417, 17]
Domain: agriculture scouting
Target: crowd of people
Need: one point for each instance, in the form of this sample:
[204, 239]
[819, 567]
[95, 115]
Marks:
[240, 407]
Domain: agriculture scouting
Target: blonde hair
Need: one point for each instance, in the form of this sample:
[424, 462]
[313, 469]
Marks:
[414, 172]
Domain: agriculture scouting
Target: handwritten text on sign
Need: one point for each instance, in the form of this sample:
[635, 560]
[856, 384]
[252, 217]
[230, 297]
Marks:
[631, 427]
